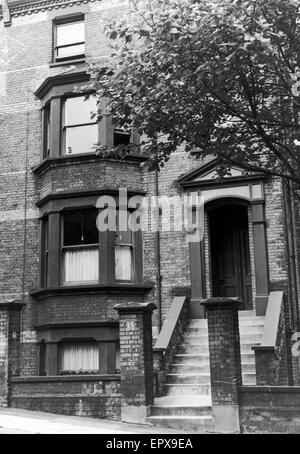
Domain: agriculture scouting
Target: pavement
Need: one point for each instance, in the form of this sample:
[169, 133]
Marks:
[17, 421]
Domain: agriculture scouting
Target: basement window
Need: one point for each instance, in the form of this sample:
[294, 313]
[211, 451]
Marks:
[79, 357]
[88, 357]
[69, 37]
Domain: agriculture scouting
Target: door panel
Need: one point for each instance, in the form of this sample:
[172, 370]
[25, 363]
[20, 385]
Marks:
[230, 253]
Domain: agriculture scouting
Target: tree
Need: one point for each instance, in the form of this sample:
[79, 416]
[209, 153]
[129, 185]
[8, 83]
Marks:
[217, 76]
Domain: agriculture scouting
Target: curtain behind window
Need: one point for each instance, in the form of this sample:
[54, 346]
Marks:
[80, 356]
[81, 265]
[123, 262]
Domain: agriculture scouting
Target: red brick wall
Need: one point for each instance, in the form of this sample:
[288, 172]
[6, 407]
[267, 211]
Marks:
[97, 396]
[25, 55]
[269, 409]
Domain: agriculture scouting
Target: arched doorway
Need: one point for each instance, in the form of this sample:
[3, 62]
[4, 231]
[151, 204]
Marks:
[230, 251]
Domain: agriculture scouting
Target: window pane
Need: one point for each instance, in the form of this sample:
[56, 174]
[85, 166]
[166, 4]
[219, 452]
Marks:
[78, 110]
[80, 227]
[121, 138]
[80, 356]
[118, 356]
[70, 33]
[46, 129]
[123, 263]
[81, 139]
[70, 51]
[124, 237]
[81, 265]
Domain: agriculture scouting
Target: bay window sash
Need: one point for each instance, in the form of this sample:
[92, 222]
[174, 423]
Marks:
[80, 264]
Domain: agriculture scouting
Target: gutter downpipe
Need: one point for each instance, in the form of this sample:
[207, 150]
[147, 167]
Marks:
[158, 264]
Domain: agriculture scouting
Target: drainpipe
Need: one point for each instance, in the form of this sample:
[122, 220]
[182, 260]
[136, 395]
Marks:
[293, 255]
[290, 251]
[158, 267]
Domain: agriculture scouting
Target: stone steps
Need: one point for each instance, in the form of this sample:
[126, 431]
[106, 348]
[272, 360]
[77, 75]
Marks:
[203, 423]
[187, 405]
[249, 379]
[187, 401]
[185, 358]
[183, 401]
[188, 348]
[191, 368]
[188, 389]
[187, 378]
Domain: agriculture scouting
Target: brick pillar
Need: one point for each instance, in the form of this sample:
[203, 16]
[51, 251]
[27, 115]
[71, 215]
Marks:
[225, 361]
[10, 327]
[136, 361]
[265, 365]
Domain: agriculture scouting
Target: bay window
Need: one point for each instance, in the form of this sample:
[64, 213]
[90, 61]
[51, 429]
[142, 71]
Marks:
[74, 252]
[70, 125]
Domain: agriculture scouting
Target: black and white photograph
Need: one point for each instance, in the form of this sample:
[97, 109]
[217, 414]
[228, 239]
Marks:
[149, 220]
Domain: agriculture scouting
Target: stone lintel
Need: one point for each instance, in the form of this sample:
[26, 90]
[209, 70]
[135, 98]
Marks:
[221, 303]
[263, 348]
[132, 308]
[12, 305]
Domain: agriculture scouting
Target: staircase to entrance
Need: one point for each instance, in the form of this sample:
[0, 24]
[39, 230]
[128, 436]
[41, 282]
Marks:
[186, 404]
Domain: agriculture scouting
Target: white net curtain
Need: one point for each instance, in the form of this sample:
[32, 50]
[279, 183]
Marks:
[81, 265]
[123, 263]
[80, 356]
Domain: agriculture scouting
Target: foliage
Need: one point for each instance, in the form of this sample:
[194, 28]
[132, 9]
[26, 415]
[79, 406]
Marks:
[220, 77]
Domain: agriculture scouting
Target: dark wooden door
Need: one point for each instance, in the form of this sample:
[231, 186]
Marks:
[230, 254]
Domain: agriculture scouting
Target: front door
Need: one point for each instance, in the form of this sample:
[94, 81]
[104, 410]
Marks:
[230, 254]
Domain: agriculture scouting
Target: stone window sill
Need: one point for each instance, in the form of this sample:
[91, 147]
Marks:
[67, 62]
[65, 378]
[142, 288]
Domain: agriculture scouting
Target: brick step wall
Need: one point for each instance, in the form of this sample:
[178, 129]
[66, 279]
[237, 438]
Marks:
[187, 401]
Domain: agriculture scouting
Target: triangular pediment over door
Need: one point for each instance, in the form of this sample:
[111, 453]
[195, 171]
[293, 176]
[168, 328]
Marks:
[207, 175]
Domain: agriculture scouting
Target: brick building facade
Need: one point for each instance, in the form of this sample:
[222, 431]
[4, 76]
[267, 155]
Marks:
[51, 314]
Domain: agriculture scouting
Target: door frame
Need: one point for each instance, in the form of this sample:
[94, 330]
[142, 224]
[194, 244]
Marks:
[199, 261]
[239, 247]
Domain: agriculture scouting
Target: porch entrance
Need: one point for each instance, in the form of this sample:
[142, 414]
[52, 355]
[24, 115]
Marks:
[230, 252]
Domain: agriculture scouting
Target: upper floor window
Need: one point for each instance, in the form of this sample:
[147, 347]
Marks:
[46, 131]
[70, 125]
[121, 137]
[69, 38]
[80, 131]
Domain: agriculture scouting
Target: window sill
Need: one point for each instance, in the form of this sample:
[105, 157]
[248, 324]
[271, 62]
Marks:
[67, 62]
[65, 378]
[141, 289]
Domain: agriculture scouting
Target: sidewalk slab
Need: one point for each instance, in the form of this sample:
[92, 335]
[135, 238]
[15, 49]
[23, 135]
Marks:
[13, 421]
